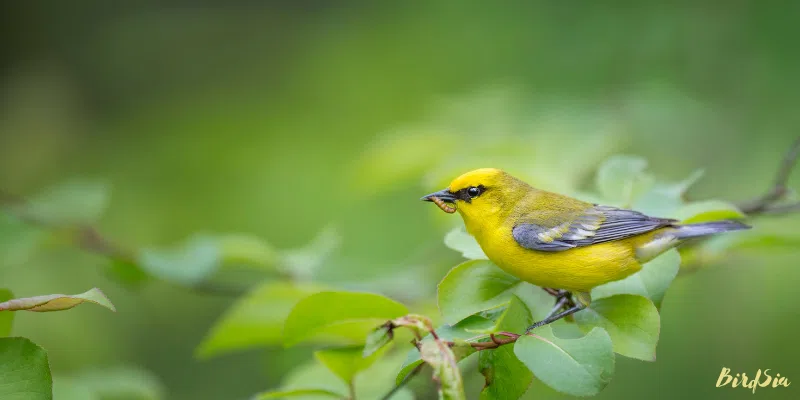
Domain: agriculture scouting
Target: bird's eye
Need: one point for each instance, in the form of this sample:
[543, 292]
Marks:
[474, 191]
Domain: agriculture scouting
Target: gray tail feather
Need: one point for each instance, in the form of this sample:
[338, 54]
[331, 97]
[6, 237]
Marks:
[709, 228]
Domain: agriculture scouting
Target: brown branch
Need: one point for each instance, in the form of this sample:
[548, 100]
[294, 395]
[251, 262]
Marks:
[766, 204]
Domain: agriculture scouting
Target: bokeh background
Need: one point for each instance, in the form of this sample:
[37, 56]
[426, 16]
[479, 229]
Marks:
[282, 118]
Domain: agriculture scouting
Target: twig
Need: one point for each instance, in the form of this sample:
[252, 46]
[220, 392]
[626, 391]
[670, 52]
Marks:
[766, 203]
[495, 342]
[402, 383]
[351, 387]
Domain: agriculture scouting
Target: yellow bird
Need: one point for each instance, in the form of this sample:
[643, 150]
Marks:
[557, 242]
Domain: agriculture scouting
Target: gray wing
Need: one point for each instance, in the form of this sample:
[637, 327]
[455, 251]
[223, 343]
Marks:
[599, 224]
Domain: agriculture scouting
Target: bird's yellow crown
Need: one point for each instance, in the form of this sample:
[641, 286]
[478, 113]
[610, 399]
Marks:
[478, 177]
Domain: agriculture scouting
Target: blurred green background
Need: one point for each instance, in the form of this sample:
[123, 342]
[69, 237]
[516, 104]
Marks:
[282, 118]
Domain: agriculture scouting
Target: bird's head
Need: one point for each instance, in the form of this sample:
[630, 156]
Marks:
[480, 193]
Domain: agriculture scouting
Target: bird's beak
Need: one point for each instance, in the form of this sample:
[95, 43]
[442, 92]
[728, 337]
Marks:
[444, 195]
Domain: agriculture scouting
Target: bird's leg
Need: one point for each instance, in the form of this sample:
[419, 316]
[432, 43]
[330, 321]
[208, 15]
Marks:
[560, 295]
[560, 303]
[583, 301]
[556, 317]
[557, 293]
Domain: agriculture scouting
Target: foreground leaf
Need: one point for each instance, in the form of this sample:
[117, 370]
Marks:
[57, 302]
[376, 339]
[314, 381]
[6, 319]
[412, 362]
[346, 362]
[255, 319]
[579, 367]
[472, 287]
[375, 381]
[631, 321]
[651, 282]
[459, 240]
[506, 376]
[457, 333]
[335, 312]
[24, 371]
[308, 381]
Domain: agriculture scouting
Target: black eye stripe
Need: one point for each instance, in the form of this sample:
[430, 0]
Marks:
[464, 194]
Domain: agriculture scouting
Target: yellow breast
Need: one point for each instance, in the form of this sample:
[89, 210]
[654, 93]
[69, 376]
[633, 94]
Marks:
[578, 269]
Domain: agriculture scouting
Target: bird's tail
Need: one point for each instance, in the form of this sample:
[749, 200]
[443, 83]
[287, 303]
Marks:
[708, 228]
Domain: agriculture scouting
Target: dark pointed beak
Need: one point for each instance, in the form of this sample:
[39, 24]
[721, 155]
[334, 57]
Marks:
[443, 194]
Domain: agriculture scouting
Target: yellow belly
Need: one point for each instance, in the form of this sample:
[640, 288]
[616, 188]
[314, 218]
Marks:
[578, 269]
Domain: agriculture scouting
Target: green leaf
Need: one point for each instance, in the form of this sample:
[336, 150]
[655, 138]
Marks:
[376, 339]
[472, 287]
[506, 376]
[70, 203]
[651, 282]
[440, 357]
[369, 384]
[335, 312]
[709, 210]
[374, 382]
[579, 367]
[57, 302]
[536, 300]
[459, 240]
[280, 394]
[412, 362]
[189, 264]
[665, 199]
[24, 371]
[255, 319]
[346, 362]
[622, 178]
[631, 321]
[516, 318]
[312, 381]
[454, 333]
[6, 319]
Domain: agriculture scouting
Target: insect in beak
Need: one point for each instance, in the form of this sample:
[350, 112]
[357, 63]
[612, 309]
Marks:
[443, 199]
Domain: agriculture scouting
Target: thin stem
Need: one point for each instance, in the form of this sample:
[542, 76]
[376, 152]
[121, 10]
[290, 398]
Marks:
[351, 386]
[405, 381]
[765, 203]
